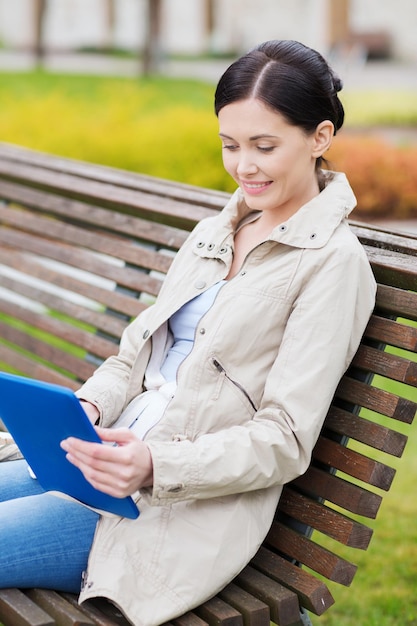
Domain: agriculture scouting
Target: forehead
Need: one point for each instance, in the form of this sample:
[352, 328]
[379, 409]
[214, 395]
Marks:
[251, 117]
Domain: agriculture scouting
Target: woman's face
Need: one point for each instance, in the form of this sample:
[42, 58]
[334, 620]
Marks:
[272, 161]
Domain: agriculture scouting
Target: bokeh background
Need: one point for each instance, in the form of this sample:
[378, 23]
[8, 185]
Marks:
[129, 83]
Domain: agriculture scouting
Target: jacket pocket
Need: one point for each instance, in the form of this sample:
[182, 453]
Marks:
[224, 377]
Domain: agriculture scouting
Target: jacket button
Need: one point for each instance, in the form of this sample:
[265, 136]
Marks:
[200, 284]
[178, 437]
[202, 331]
[146, 334]
[175, 488]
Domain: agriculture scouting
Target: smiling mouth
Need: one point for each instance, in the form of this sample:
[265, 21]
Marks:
[255, 187]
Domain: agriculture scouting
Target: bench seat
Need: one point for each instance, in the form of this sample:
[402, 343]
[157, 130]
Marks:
[83, 249]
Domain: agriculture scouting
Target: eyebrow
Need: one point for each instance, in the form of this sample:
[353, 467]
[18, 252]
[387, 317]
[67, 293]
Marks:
[254, 138]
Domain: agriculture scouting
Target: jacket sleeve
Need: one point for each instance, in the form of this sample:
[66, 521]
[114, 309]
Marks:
[321, 337]
[107, 388]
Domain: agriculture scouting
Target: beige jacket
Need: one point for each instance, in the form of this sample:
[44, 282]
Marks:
[249, 405]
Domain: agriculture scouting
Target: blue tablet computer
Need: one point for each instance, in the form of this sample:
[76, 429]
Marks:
[39, 416]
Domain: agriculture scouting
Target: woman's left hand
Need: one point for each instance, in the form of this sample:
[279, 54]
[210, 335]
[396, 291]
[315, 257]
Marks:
[118, 470]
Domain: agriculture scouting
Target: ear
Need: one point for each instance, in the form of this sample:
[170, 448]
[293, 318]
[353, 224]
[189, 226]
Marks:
[322, 138]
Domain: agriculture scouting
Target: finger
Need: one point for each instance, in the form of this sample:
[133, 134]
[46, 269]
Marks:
[114, 461]
[120, 436]
[101, 473]
[79, 447]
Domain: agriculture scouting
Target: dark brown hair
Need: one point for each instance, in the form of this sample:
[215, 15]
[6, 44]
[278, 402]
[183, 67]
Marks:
[290, 78]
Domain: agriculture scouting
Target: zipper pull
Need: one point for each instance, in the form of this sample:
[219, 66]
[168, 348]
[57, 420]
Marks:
[217, 365]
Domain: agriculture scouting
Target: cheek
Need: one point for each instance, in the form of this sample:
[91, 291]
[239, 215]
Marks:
[229, 163]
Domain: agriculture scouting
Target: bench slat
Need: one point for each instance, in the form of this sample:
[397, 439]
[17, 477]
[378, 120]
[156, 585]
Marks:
[81, 212]
[326, 485]
[392, 332]
[375, 399]
[289, 542]
[59, 303]
[96, 239]
[64, 613]
[283, 603]
[391, 268]
[219, 612]
[189, 619]
[16, 609]
[90, 342]
[353, 463]
[181, 191]
[79, 367]
[168, 210]
[386, 364]
[397, 302]
[372, 236]
[100, 611]
[81, 259]
[314, 594]
[374, 435]
[31, 266]
[322, 518]
[34, 369]
[254, 612]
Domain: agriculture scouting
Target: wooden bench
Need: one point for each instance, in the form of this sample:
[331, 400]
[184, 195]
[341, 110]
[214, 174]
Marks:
[83, 249]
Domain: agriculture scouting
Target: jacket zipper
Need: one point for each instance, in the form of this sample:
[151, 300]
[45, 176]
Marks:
[221, 369]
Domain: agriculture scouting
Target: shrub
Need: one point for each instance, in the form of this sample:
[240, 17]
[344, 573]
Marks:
[383, 176]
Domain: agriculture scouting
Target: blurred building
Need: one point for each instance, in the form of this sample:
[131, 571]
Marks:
[371, 28]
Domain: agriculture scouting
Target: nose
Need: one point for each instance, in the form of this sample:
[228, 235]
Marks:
[246, 164]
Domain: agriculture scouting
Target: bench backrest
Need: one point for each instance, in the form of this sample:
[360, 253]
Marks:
[84, 248]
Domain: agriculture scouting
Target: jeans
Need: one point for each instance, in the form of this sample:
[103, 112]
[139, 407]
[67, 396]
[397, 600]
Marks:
[45, 540]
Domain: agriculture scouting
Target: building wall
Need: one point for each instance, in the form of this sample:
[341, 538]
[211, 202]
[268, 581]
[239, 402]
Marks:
[397, 17]
[239, 24]
[242, 24]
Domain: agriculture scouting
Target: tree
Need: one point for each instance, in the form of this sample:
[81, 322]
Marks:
[152, 48]
[39, 14]
[110, 20]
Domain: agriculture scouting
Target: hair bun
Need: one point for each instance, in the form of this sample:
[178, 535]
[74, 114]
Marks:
[337, 83]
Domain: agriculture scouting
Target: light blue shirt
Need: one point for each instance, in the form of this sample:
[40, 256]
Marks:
[182, 325]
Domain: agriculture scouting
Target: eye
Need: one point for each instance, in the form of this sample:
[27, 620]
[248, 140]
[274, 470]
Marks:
[266, 148]
[230, 147]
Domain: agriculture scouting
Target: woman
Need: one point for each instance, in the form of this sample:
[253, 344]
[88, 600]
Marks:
[226, 379]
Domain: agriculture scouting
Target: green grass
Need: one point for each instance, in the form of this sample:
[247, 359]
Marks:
[377, 107]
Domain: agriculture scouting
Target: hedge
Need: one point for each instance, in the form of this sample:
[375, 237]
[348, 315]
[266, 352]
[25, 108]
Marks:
[383, 175]
[167, 128]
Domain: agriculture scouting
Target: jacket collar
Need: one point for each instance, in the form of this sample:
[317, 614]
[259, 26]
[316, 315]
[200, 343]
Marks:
[310, 227]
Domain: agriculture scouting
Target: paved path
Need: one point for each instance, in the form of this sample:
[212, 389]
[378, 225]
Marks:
[356, 75]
